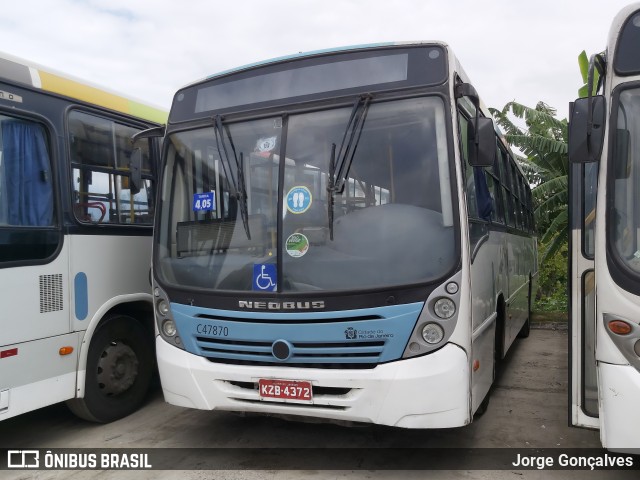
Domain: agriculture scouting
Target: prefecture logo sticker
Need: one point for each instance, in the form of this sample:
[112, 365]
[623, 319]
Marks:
[297, 245]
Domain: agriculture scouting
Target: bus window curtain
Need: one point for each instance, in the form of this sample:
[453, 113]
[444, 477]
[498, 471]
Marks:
[27, 194]
[483, 196]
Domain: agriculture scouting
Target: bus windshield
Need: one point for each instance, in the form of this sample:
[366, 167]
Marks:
[625, 174]
[392, 223]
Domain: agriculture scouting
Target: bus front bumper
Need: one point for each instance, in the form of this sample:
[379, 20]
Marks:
[431, 391]
[619, 414]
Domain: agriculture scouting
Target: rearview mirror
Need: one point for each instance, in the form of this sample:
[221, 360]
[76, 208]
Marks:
[482, 144]
[135, 171]
[586, 129]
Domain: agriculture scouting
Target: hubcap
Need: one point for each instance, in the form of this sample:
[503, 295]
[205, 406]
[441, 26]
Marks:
[117, 369]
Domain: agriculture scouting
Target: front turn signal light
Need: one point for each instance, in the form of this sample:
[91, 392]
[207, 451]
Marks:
[619, 327]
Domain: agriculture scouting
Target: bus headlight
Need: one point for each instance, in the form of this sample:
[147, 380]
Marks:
[444, 308]
[169, 328]
[163, 307]
[165, 324]
[438, 319]
[452, 288]
[432, 333]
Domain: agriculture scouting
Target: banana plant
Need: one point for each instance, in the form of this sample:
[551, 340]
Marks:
[543, 144]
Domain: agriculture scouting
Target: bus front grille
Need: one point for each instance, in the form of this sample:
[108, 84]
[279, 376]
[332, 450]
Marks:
[341, 339]
[303, 354]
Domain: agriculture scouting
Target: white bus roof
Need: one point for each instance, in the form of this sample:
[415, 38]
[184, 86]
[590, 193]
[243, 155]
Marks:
[28, 73]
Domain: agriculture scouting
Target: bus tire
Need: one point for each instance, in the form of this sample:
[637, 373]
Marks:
[119, 370]
[526, 328]
[484, 405]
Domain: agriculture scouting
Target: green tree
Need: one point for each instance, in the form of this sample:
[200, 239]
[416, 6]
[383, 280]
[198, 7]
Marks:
[583, 63]
[543, 142]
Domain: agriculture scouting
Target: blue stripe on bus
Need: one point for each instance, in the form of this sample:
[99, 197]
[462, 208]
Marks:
[373, 335]
[81, 295]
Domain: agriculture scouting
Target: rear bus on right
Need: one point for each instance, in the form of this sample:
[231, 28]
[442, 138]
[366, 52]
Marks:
[604, 211]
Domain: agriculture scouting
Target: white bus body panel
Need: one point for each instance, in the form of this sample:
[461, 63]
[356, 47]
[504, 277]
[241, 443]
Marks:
[618, 381]
[501, 267]
[37, 375]
[35, 301]
[423, 392]
[619, 412]
[122, 276]
[34, 325]
[117, 272]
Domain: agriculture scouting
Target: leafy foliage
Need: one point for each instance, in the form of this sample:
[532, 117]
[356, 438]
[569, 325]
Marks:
[552, 284]
[584, 63]
[543, 140]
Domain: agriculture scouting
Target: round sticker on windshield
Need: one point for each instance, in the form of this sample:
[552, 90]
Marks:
[299, 200]
[266, 144]
[297, 245]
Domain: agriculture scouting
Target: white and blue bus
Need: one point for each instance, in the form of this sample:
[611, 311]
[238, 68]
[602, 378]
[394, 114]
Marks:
[604, 146]
[340, 235]
[76, 218]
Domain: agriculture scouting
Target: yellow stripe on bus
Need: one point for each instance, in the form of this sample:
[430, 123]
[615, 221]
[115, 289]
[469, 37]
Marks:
[87, 93]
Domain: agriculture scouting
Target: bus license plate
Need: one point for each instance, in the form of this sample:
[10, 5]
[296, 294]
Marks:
[271, 389]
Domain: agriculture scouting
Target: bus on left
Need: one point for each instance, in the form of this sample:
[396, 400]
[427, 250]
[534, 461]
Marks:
[76, 215]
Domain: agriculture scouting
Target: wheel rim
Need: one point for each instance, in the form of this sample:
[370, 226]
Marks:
[117, 369]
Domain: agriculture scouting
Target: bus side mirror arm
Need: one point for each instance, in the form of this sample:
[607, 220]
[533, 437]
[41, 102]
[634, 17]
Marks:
[154, 132]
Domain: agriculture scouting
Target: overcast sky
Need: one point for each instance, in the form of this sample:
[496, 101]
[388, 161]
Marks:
[512, 49]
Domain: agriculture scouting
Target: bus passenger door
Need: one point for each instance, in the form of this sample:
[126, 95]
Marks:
[582, 290]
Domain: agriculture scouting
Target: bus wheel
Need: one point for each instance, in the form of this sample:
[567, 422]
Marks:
[526, 328]
[498, 343]
[484, 405]
[119, 370]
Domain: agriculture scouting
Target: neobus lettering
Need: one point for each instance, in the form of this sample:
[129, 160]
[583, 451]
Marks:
[281, 305]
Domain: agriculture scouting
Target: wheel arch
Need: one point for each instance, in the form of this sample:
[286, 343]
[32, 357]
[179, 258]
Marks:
[137, 306]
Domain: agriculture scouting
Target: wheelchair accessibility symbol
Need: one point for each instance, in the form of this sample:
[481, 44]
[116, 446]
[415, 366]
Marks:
[264, 277]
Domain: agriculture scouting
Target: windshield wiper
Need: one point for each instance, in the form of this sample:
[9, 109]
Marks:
[239, 186]
[346, 153]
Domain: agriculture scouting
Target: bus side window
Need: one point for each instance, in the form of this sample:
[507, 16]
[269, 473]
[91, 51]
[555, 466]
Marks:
[493, 185]
[26, 192]
[507, 189]
[100, 157]
[470, 185]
